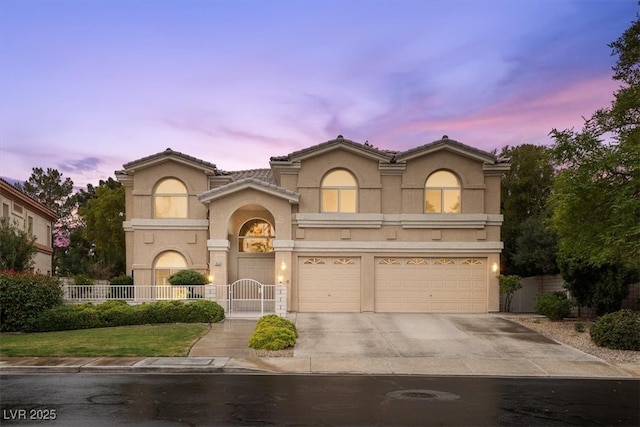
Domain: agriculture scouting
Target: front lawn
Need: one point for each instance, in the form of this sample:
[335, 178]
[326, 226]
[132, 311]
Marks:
[173, 339]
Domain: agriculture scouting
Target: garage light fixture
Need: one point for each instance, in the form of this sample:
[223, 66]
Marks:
[494, 269]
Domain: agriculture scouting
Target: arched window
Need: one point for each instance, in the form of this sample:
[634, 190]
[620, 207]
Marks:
[256, 235]
[170, 199]
[339, 192]
[442, 193]
[166, 264]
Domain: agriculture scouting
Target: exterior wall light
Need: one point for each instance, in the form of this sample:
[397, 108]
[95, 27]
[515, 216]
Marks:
[283, 266]
[494, 268]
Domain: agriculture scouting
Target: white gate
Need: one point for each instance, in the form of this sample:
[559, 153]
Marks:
[250, 297]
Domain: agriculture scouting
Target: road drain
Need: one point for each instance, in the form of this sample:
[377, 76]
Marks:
[428, 395]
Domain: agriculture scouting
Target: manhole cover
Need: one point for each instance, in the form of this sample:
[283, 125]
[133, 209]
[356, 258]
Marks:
[428, 395]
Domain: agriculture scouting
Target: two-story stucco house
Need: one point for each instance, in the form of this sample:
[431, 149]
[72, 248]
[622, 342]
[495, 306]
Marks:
[33, 217]
[345, 226]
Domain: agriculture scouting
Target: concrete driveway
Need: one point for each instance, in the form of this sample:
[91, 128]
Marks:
[479, 336]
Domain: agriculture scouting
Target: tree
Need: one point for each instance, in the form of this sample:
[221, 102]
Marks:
[529, 243]
[77, 257]
[596, 197]
[102, 215]
[17, 247]
[50, 189]
[602, 288]
[508, 286]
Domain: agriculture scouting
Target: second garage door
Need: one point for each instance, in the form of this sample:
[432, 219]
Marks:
[430, 285]
[329, 284]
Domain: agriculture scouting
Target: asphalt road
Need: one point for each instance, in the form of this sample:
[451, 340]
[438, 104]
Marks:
[222, 399]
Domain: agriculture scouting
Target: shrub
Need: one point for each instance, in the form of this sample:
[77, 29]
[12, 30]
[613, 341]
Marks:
[82, 279]
[203, 311]
[273, 333]
[275, 320]
[187, 277]
[556, 306]
[272, 338]
[160, 312]
[66, 317]
[619, 330]
[24, 296]
[119, 313]
[121, 280]
[578, 327]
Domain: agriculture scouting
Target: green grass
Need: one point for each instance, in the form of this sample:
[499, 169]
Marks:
[173, 339]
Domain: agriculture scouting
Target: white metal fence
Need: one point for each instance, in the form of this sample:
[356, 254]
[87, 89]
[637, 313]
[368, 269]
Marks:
[248, 296]
[243, 298]
[132, 293]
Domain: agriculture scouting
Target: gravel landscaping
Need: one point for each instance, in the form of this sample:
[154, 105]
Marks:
[565, 333]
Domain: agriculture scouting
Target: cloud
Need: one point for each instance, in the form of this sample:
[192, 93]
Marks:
[85, 164]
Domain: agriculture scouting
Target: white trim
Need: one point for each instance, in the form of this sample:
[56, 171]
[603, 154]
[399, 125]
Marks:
[400, 247]
[337, 220]
[357, 220]
[218, 245]
[444, 220]
[166, 224]
[283, 245]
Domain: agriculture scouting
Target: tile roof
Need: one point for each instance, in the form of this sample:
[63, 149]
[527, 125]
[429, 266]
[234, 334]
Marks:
[340, 140]
[265, 175]
[445, 141]
[249, 183]
[388, 155]
[27, 198]
[166, 153]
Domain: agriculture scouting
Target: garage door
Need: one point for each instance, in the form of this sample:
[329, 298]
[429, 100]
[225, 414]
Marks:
[328, 284]
[430, 285]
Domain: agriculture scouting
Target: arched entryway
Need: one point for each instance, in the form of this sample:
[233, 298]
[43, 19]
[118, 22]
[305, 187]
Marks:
[251, 236]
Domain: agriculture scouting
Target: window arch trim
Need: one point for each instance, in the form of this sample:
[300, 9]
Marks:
[443, 192]
[339, 192]
[173, 202]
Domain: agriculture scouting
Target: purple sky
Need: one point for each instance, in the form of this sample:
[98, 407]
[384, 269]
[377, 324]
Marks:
[87, 85]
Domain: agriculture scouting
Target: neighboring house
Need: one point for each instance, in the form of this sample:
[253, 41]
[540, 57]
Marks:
[35, 218]
[345, 226]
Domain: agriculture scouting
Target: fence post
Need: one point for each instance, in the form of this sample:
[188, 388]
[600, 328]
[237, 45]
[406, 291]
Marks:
[281, 300]
[210, 292]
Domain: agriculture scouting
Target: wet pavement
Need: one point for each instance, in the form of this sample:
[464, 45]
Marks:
[364, 343]
[310, 400]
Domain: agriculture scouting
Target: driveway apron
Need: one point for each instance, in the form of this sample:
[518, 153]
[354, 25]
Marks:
[481, 336]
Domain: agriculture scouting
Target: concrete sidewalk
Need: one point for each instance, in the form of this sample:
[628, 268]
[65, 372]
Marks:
[224, 350]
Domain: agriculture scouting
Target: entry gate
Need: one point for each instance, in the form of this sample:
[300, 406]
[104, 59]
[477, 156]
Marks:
[250, 297]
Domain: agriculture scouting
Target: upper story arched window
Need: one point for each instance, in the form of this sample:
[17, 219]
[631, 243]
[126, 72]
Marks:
[167, 264]
[339, 192]
[442, 193]
[256, 235]
[170, 199]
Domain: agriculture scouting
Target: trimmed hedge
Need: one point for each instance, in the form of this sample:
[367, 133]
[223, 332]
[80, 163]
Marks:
[187, 277]
[555, 305]
[119, 313]
[618, 330]
[273, 332]
[24, 296]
